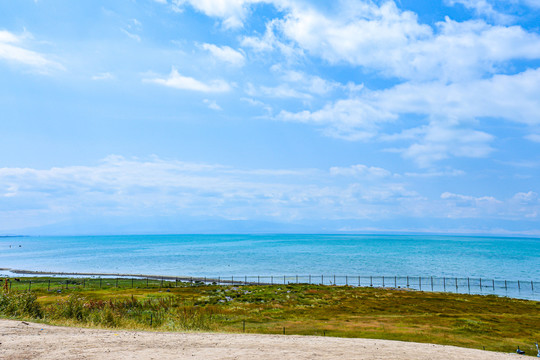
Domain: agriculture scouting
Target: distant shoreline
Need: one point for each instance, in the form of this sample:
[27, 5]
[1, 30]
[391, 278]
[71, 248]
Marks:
[142, 276]
[36, 272]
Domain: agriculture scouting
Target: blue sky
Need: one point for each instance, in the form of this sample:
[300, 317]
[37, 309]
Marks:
[171, 116]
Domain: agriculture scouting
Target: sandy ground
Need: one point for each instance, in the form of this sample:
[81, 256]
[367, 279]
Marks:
[21, 340]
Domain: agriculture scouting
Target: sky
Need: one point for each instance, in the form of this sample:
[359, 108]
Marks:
[231, 116]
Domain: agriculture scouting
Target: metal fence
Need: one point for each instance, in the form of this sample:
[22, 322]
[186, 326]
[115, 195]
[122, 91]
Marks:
[511, 288]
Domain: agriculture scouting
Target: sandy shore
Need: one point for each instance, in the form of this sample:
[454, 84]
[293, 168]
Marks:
[20, 340]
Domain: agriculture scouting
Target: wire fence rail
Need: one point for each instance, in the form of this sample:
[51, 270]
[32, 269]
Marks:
[524, 289]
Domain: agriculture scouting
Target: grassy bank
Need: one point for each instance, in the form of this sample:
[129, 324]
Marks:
[493, 323]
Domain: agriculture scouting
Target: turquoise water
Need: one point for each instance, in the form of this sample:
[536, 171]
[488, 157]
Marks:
[239, 255]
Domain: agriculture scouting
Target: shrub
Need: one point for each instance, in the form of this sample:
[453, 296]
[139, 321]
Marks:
[20, 305]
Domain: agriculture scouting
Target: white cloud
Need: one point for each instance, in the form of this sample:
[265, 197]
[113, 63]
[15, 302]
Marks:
[264, 43]
[383, 37]
[533, 137]
[178, 81]
[521, 205]
[350, 119]
[487, 7]
[526, 198]
[360, 170]
[446, 173]
[465, 206]
[267, 108]
[483, 8]
[467, 198]
[103, 76]
[451, 111]
[212, 105]
[392, 41]
[225, 53]
[7, 37]
[12, 51]
[270, 41]
[135, 37]
[450, 71]
[307, 83]
[532, 3]
[509, 97]
[292, 84]
[154, 187]
[439, 141]
[281, 91]
[232, 12]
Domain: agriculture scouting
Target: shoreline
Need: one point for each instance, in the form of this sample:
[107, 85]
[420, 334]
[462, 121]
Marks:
[141, 276]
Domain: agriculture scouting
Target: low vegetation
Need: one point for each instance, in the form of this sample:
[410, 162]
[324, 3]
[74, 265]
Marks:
[489, 322]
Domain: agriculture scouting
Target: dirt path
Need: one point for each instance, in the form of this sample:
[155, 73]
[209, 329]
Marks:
[19, 340]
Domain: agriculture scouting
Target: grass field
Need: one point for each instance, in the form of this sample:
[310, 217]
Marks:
[490, 322]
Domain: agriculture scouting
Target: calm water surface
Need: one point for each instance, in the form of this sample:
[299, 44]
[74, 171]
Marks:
[226, 255]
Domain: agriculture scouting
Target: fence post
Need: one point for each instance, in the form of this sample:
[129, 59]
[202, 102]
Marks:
[432, 283]
[532, 285]
[469, 285]
[420, 282]
[322, 279]
[383, 281]
[272, 280]
[456, 286]
[395, 281]
[505, 287]
[480, 284]
[284, 280]
[493, 284]
[346, 280]
[519, 285]
[334, 279]
[371, 280]
[359, 281]
[444, 284]
[407, 281]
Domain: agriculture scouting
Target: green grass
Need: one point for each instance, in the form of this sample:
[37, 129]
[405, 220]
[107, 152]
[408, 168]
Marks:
[490, 322]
